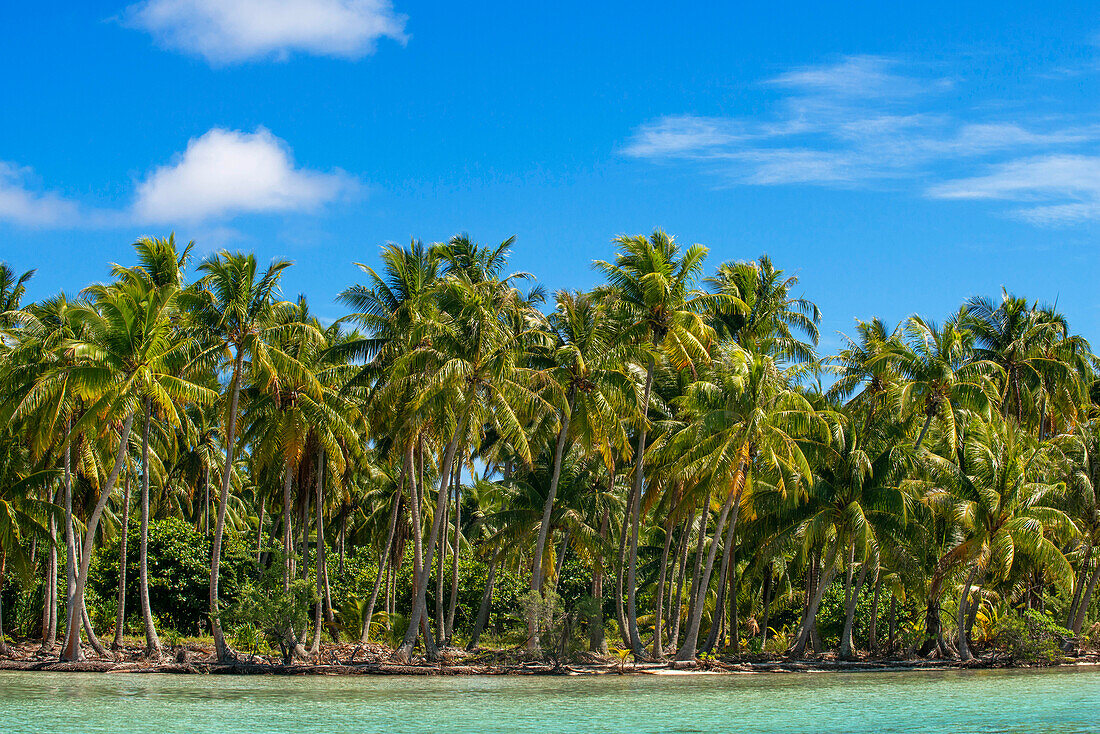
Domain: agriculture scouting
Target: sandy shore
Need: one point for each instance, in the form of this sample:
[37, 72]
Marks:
[376, 659]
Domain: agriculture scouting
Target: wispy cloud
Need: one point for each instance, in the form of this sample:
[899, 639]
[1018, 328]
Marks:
[221, 175]
[232, 31]
[1062, 189]
[874, 121]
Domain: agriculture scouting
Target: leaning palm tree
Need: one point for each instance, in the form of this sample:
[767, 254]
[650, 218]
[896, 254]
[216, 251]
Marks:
[652, 281]
[237, 316]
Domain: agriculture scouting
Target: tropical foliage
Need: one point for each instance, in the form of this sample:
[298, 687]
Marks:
[663, 466]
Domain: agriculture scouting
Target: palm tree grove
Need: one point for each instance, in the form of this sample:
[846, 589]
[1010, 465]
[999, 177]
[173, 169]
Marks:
[466, 469]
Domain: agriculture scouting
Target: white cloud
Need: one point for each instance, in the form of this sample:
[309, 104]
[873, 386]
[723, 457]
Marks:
[230, 31]
[22, 204]
[221, 175]
[871, 121]
[226, 172]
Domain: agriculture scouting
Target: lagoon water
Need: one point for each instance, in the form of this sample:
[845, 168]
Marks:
[1052, 702]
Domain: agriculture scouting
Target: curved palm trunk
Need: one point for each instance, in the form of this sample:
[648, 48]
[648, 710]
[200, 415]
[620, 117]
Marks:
[120, 618]
[544, 526]
[152, 642]
[658, 607]
[49, 612]
[809, 615]
[932, 625]
[1083, 607]
[223, 651]
[724, 580]
[697, 571]
[486, 604]
[449, 628]
[71, 650]
[964, 597]
[635, 512]
[676, 604]
[319, 556]
[1079, 582]
[288, 533]
[439, 559]
[70, 551]
[847, 644]
[872, 627]
[767, 594]
[383, 561]
[3, 568]
[691, 640]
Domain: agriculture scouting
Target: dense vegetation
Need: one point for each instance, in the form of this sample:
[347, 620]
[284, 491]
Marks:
[664, 463]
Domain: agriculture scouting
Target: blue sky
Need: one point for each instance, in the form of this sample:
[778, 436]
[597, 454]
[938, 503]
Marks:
[898, 159]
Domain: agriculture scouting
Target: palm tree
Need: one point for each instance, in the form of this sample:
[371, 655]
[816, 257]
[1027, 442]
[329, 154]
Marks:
[237, 315]
[941, 377]
[1033, 348]
[585, 365]
[125, 359]
[771, 316]
[160, 269]
[857, 501]
[995, 498]
[653, 283]
[470, 356]
[743, 416]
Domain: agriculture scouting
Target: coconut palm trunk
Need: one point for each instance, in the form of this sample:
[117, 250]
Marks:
[808, 626]
[288, 532]
[152, 642]
[120, 618]
[71, 650]
[1079, 582]
[3, 568]
[1083, 607]
[964, 597]
[452, 602]
[49, 606]
[872, 625]
[319, 555]
[676, 606]
[725, 578]
[658, 606]
[223, 651]
[635, 512]
[697, 570]
[383, 560]
[544, 525]
[691, 640]
[847, 644]
[486, 603]
[420, 605]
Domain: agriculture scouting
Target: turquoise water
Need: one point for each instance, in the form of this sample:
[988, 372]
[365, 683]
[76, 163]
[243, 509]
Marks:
[1051, 702]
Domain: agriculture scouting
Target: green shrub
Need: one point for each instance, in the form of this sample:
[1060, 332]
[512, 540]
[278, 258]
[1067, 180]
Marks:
[1030, 637]
[179, 576]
